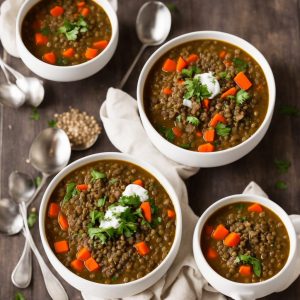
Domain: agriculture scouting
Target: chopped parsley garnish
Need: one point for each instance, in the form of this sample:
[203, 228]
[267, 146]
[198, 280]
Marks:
[282, 165]
[61, 61]
[19, 296]
[101, 201]
[242, 96]
[95, 216]
[281, 185]
[222, 129]
[190, 72]
[224, 75]
[240, 206]
[45, 31]
[172, 7]
[193, 120]
[289, 110]
[32, 218]
[195, 89]
[113, 181]
[35, 115]
[97, 175]
[71, 191]
[72, 29]
[52, 123]
[185, 146]
[130, 201]
[179, 119]
[247, 259]
[167, 133]
[239, 64]
[37, 181]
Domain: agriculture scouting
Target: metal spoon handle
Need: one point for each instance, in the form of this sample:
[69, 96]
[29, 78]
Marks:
[44, 179]
[53, 286]
[125, 77]
[2, 65]
[6, 67]
[22, 273]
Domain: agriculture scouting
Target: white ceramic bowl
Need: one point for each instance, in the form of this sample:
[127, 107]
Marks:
[67, 73]
[247, 291]
[115, 290]
[201, 159]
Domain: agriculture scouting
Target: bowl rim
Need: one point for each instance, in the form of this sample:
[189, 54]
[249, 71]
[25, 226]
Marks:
[222, 37]
[88, 160]
[105, 5]
[251, 198]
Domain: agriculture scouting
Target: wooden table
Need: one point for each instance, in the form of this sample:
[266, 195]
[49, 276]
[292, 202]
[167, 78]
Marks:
[271, 25]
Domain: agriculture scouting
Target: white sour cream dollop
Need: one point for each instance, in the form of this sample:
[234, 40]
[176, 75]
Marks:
[136, 190]
[111, 217]
[211, 82]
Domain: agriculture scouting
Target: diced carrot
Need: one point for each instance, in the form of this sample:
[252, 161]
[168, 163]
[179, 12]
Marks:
[169, 65]
[180, 81]
[100, 44]
[177, 131]
[211, 253]
[171, 213]
[216, 119]
[85, 11]
[142, 248]
[50, 58]
[139, 182]
[167, 91]
[209, 135]
[192, 58]
[80, 4]
[57, 11]
[206, 148]
[206, 103]
[208, 230]
[220, 232]
[61, 247]
[77, 265]
[69, 52]
[146, 209]
[40, 39]
[181, 64]
[242, 81]
[53, 210]
[82, 187]
[230, 92]
[91, 53]
[91, 265]
[199, 133]
[232, 239]
[222, 54]
[83, 254]
[255, 207]
[245, 270]
[63, 222]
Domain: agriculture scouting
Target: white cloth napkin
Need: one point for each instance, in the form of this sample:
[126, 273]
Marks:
[120, 118]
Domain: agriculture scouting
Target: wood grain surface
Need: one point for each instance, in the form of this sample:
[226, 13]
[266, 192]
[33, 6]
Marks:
[270, 25]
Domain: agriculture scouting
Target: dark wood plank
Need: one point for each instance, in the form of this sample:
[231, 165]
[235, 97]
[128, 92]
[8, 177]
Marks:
[271, 25]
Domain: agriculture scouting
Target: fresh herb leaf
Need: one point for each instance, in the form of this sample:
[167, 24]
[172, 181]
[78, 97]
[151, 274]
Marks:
[71, 187]
[61, 61]
[239, 64]
[289, 110]
[222, 129]
[35, 115]
[19, 296]
[281, 185]
[231, 97]
[282, 165]
[95, 216]
[101, 201]
[240, 206]
[97, 175]
[179, 119]
[190, 72]
[130, 201]
[247, 259]
[172, 7]
[32, 218]
[37, 181]
[97, 232]
[72, 29]
[113, 181]
[114, 278]
[224, 75]
[45, 31]
[52, 123]
[193, 120]
[194, 88]
[243, 219]
[185, 146]
[169, 134]
[242, 96]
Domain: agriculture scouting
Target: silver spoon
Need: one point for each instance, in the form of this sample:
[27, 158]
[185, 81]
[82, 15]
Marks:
[31, 86]
[10, 94]
[153, 25]
[21, 186]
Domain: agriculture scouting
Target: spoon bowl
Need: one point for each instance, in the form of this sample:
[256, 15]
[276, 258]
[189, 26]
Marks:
[11, 95]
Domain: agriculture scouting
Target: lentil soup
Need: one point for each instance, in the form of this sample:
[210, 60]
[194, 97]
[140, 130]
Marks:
[245, 242]
[206, 95]
[110, 222]
[66, 32]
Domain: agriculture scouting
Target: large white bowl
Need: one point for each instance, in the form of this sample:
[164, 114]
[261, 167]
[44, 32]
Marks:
[201, 159]
[249, 291]
[67, 73]
[115, 290]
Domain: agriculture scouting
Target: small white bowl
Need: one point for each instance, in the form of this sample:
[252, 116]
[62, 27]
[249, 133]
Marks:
[249, 291]
[67, 73]
[114, 290]
[201, 159]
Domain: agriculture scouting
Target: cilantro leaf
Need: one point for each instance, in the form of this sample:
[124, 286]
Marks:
[194, 88]
[71, 187]
[95, 216]
[242, 96]
[239, 64]
[281, 185]
[35, 115]
[19, 296]
[52, 123]
[113, 181]
[185, 146]
[179, 119]
[167, 133]
[37, 181]
[224, 75]
[247, 259]
[190, 72]
[72, 29]
[193, 120]
[32, 218]
[97, 175]
[282, 165]
[172, 7]
[101, 201]
[97, 232]
[45, 31]
[130, 201]
[289, 110]
[222, 129]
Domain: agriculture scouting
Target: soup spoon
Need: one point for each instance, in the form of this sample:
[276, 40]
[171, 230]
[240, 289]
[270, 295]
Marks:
[153, 26]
